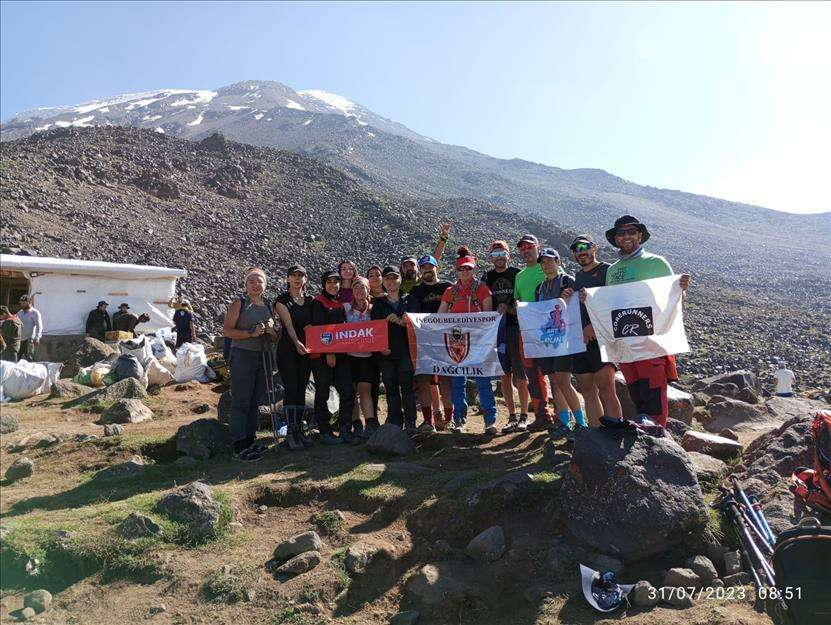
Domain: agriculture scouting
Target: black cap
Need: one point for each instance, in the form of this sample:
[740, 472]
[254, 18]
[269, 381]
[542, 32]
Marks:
[389, 269]
[528, 238]
[627, 220]
[549, 252]
[583, 238]
[103, 303]
[295, 269]
[329, 274]
[124, 305]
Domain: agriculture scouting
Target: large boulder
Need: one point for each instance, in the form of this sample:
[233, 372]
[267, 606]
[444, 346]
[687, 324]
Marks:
[301, 563]
[126, 411]
[138, 525]
[203, 439]
[712, 444]
[487, 546]
[735, 414]
[300, 543]
[390, 439]
[360, 554]
[66, 389]
[631, 497]
[741, 378]
[129, 388]
[88, 353]
[20, 468]
[432, 587]
[9, 422]
[707, 468]
[193, 506]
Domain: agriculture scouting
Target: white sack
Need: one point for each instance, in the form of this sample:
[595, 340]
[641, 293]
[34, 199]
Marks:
[140, 348]
[26, 379]
[156, 373]
[190, 362]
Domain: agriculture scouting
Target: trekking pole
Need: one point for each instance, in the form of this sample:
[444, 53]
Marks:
[746, 539]
[762, 539]
[758, 507]
[741, 496]
[268, 371]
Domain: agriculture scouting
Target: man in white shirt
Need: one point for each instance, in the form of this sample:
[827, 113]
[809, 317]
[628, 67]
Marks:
[784, 381]
[31, 329]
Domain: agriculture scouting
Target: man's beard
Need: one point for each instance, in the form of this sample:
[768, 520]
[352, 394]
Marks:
[428, 277]
[409, 275]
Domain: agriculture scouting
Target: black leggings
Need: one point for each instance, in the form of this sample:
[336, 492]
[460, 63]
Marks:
[294, 371]
[397, 374]
[339, 376]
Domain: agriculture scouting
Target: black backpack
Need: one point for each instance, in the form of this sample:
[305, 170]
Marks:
[802, 566]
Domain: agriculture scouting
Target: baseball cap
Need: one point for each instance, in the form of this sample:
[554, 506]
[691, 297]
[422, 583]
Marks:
[583, 238]
[389, 269]
[296, 269]
[427, 259]
[528, 238]
[329, 274]
[549, 252]
[408, 259]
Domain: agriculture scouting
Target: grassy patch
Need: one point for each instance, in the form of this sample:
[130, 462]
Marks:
[338, 564]
[227, 586]
[95, 406]
[291, 616]
[329, 522]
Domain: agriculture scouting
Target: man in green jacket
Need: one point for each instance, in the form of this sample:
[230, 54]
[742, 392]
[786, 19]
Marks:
[10, 332]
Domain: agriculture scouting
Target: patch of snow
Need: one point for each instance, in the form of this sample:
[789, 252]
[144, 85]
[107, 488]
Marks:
[238, 108]
[83, 122]
[160, 130]
[191, 107]
[258, 116]
[360, 121]
[39, 128]
[106, 109]
[291, 104]
[370, 134]
[198, 120]
[196, 97]
[307, 122]
[143, 103]
[429, 139]
[150, 118]
[333, 100]
[252, 87]
[268, 119]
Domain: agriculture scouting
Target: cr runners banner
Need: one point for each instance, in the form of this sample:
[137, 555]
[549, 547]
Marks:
[638, 320]
[551, 327]
[340, 338]
[460, 344]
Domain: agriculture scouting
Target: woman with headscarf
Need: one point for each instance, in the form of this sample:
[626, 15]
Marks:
[295, 310]
[249, 323]
[331, 369]
[469, 295]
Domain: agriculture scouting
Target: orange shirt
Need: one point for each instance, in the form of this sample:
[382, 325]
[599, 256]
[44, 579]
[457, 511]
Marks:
[461, 299]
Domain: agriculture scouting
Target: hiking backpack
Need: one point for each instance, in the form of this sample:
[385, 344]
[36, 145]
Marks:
[812, 484]
[472, 300]
[802, 567]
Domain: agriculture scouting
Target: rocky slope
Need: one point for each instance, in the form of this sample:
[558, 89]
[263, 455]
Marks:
[216, 207]
[709, 236]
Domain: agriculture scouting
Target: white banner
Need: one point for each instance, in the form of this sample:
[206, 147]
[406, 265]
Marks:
[460, 344]
[638, 320]
[551, 327]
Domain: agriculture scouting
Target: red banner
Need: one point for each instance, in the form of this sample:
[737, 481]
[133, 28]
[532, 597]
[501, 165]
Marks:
[341, 338]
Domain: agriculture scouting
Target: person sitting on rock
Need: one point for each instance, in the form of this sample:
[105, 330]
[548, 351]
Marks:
[785, 380]
[647, 380]
[98, 322]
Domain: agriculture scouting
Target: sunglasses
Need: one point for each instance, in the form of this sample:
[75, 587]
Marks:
[622, 232]
[498, 254]
[581, 247]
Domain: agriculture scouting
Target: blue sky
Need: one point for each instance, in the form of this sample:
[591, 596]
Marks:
[730, 100]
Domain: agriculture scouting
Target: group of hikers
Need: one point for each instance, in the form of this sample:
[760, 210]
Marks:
[414, 286]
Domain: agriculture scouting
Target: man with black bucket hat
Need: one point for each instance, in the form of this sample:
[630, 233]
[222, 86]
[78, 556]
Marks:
[647, 380]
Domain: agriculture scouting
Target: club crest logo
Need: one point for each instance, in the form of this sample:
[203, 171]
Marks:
[326, 338]
[553, 331]
[457, 344]
[632, 322]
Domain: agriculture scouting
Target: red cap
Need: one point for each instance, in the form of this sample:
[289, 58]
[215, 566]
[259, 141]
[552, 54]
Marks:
[466, 261]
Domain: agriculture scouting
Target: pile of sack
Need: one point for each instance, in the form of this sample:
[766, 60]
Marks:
[149, 360]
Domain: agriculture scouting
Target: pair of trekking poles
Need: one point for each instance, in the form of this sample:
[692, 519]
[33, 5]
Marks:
[296, 437]
[756, 539]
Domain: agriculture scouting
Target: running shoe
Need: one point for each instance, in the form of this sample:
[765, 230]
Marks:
[513, 424]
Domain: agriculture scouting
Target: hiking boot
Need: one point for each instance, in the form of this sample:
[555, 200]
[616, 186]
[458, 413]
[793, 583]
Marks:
[561, 432]
[491, 430]
[370, 429]
[327, 438]
[513, 424]
[539, 424]
[522, 424]
[294, 440]
[460, 427]
[249, 455]
[346, 434]
[426, 427]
